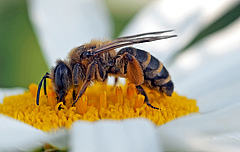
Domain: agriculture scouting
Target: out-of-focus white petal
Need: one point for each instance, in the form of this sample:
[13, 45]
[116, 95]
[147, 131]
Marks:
[209, 71]
[186, 17]
[118, 136]
[9, 91]
[58, 139]
[215, 131]
[64, 24]
[18, 136]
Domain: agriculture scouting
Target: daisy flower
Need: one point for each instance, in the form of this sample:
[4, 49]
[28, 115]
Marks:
[205, 72]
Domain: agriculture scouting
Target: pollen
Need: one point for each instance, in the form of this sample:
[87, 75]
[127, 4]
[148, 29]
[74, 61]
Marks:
[110, 102]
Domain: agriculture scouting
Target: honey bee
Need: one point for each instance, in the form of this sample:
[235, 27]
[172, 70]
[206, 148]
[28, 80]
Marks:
[97, 60]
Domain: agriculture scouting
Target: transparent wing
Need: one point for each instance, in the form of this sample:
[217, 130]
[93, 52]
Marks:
[134, 39]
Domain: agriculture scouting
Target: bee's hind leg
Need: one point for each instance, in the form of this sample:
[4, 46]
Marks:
[115, 81]
[142, 92]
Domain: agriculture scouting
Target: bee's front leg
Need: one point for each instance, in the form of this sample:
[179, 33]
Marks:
[89, 77]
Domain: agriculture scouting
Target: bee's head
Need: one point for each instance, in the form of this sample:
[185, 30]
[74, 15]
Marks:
[62, 80]
[61, 77]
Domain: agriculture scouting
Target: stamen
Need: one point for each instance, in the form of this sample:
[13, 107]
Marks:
[82, 106]
[119, 95]
[139, 101]
[103, 99]
[131, 94]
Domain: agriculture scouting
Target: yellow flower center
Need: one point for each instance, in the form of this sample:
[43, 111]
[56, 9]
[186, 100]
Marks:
[109, 103]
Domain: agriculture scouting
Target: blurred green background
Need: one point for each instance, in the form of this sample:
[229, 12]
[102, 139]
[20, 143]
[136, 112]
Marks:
[21, 59]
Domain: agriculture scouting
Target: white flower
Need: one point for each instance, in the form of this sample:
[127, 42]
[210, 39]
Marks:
[208, 71]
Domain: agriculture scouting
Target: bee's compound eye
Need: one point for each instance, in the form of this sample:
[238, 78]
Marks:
[63, 77]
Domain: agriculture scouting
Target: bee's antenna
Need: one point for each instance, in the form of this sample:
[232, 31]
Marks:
[44, 85]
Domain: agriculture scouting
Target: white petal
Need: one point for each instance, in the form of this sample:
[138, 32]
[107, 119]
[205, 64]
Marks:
[18, 136]
[9, 91]
[64, 24]
[15, 135]
[209, 71]
[215, 131]
[118, 136]
[186, 17]
[58, 139]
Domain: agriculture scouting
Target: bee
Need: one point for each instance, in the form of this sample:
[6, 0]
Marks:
[97, 60]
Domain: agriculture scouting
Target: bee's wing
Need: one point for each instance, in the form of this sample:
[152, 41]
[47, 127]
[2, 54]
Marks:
[134, 39]
[143, 34]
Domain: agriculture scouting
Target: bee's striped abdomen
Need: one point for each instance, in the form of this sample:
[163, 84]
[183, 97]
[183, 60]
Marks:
[156, 75]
